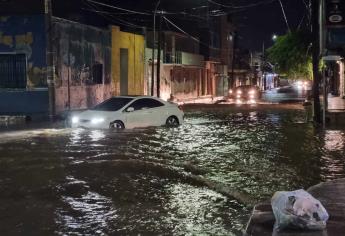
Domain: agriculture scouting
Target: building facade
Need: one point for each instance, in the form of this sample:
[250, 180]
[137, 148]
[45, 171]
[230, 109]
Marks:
[23, 84]
[90, 64]
[82, 62]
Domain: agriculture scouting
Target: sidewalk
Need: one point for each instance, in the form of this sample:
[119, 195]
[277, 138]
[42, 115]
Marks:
[201, 100]
[336, 110]
[336, 103]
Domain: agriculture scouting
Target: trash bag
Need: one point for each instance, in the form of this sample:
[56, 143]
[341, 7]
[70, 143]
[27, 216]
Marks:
[298, 209]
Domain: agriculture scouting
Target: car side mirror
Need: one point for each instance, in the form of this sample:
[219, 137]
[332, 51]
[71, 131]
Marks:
[130, 109]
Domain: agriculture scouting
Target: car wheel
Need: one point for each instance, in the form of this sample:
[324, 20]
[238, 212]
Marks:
[172, 121]
[116, 125]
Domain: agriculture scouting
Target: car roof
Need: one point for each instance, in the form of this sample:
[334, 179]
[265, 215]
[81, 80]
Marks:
[133, 96]
[139, 97]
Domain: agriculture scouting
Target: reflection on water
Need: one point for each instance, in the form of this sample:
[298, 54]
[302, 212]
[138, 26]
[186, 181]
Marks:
[148, 181]
[333, 158]
[334, 140]
[90, 213]
[201, 211]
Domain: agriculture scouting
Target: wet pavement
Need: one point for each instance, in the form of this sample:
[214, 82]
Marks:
[199, 178]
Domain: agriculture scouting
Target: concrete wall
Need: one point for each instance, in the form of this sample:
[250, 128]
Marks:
[23, 102]
[192, 59]
[25, 34]
[186, 82]
[136, 60]
[77, 49]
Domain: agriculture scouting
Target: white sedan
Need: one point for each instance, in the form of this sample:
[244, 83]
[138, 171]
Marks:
[129, 112]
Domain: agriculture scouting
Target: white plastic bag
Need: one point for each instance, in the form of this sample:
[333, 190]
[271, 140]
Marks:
[298, 209]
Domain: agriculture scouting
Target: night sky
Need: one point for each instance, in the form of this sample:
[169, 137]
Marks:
[254, 24]
[257, 25]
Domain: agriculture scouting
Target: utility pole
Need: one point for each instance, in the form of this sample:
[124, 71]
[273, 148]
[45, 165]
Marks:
[50, 57]
[159, 55]
[232, 82]
[153, 49]
[316, 58]
[263, 63]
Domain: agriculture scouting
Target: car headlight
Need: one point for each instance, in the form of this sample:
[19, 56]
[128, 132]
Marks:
[239, 92]
[75, 119]
[97, 120]
[251, 92]
[230, 91]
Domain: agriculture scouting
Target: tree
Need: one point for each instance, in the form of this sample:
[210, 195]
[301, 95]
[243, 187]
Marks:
[316, 58]
[292, 55]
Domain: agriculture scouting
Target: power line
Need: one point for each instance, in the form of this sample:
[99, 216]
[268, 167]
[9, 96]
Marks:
[184, 32]
[243, 6]
[95, 9]
[286, 21]
[119, 8]
[181, 30]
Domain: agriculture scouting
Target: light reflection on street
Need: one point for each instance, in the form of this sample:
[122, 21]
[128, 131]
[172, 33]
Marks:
[202, 210]
[334, 140]
[86, 187]
[97, 135]
[333, 158]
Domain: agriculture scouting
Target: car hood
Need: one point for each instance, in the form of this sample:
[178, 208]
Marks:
[93, 113]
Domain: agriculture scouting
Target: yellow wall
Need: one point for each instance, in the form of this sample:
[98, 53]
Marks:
[136, 47]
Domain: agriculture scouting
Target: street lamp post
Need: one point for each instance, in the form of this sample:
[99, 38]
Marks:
[50, 58]
[153, 49]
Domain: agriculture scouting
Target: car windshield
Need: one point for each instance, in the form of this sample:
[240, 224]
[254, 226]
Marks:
[112, 104]
[246, 87]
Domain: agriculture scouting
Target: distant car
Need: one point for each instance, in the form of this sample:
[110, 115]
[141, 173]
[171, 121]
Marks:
[287, 89]
[303, 85]
[246, 93]
[129, 112]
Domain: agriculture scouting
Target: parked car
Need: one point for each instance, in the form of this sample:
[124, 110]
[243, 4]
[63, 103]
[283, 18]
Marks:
[246, 93]
[130, 112]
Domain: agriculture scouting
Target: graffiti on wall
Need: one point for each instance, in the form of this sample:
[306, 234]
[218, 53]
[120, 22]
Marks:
[26, 35]
[82, 61]
[78, 49]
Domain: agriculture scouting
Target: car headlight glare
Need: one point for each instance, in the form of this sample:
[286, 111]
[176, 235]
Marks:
[97, 120]
[75, 119]
[239, 92]
[251, 92]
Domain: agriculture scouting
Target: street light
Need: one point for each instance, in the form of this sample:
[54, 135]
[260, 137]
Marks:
[274, 37]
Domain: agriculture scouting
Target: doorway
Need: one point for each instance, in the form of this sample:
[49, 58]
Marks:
[123, 71]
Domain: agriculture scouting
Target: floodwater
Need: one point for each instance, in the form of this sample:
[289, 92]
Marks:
[199, 178]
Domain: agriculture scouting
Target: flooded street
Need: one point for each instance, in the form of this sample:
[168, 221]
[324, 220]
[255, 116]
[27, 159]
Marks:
[196, 179]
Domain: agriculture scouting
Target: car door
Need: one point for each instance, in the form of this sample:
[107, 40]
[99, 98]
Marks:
[145, 113]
